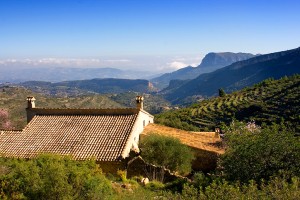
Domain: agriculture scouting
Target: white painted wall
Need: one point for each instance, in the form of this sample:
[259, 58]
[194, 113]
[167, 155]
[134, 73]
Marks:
[143, 119]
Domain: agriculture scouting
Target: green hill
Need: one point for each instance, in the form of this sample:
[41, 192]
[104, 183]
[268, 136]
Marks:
[101, 86]
[266, 102]
[13, 102]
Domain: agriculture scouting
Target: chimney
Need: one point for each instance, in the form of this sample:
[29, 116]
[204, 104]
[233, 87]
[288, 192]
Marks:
[30, 102]
[29, 111]
[139, 102]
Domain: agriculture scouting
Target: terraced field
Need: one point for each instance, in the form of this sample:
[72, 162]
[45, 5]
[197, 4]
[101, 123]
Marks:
[267, 102]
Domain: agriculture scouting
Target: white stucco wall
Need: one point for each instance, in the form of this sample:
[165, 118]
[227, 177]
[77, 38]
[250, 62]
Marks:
[143, 119]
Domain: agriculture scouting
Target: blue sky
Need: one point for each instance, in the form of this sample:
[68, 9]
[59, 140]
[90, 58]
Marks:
[154, 34]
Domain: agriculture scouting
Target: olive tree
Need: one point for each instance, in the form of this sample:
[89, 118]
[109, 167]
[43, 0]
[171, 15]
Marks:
[167, 152]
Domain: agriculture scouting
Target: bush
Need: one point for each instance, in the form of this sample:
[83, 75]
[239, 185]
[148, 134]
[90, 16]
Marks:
[167, 152]
[276, 188]
[260, 153]
[52, 177]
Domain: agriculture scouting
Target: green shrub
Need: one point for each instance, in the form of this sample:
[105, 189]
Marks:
[155, 185]
[53, 177]
[167, 152]
[260, 153]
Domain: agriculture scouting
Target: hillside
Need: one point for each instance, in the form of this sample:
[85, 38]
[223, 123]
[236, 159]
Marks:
[266, 102]
[210, 62]
[13, 102]
[239, 75]
[152, 103]
[101, 86]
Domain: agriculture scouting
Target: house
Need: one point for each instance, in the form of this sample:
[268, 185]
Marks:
[106, 135]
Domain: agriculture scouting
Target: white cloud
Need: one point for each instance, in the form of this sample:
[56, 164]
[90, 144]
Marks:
[177, 65]
[117, 60]
[159, 64]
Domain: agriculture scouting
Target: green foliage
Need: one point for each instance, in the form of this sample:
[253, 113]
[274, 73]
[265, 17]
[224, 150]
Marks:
[271, 101]
[52, 177]
[167, 152]
[276, 188]
[155, 185]
[222, 92]
[255, 154]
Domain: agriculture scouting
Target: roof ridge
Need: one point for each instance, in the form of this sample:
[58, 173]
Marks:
[83, 111]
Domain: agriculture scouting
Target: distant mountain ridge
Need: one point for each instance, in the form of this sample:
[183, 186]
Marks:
[100, 86]
[210, 62]
[240, 74]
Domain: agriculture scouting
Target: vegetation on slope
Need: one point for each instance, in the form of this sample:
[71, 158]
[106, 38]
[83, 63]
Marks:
[258, 153]
[152, 103]
[13, 102]
[101, 86]
[271, 101]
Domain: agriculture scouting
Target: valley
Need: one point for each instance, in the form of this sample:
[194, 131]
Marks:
[185, 104]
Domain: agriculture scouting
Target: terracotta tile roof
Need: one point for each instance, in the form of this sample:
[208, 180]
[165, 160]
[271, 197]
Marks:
[83, 136]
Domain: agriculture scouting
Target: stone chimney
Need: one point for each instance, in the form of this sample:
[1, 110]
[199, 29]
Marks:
[29, 111]
[30, 102]
[139, 102]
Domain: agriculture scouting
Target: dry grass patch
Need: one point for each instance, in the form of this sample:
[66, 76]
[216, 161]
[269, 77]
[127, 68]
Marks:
[200, 140]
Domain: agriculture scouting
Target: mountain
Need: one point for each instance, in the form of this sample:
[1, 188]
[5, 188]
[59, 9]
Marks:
[266, 102]
[239, 75]
[210, 62]
[17, 74]
[219, 60]
[101, 86]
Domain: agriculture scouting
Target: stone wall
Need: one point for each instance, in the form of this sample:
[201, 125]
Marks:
[204, 160]
[138, 167]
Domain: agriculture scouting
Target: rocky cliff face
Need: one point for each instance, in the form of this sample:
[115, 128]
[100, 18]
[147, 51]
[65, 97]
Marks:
[218, 60]
[210, 62]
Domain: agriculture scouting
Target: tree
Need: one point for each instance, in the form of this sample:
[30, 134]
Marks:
[261, 153]
[167, 152]
[222, 93]
[4, 120]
